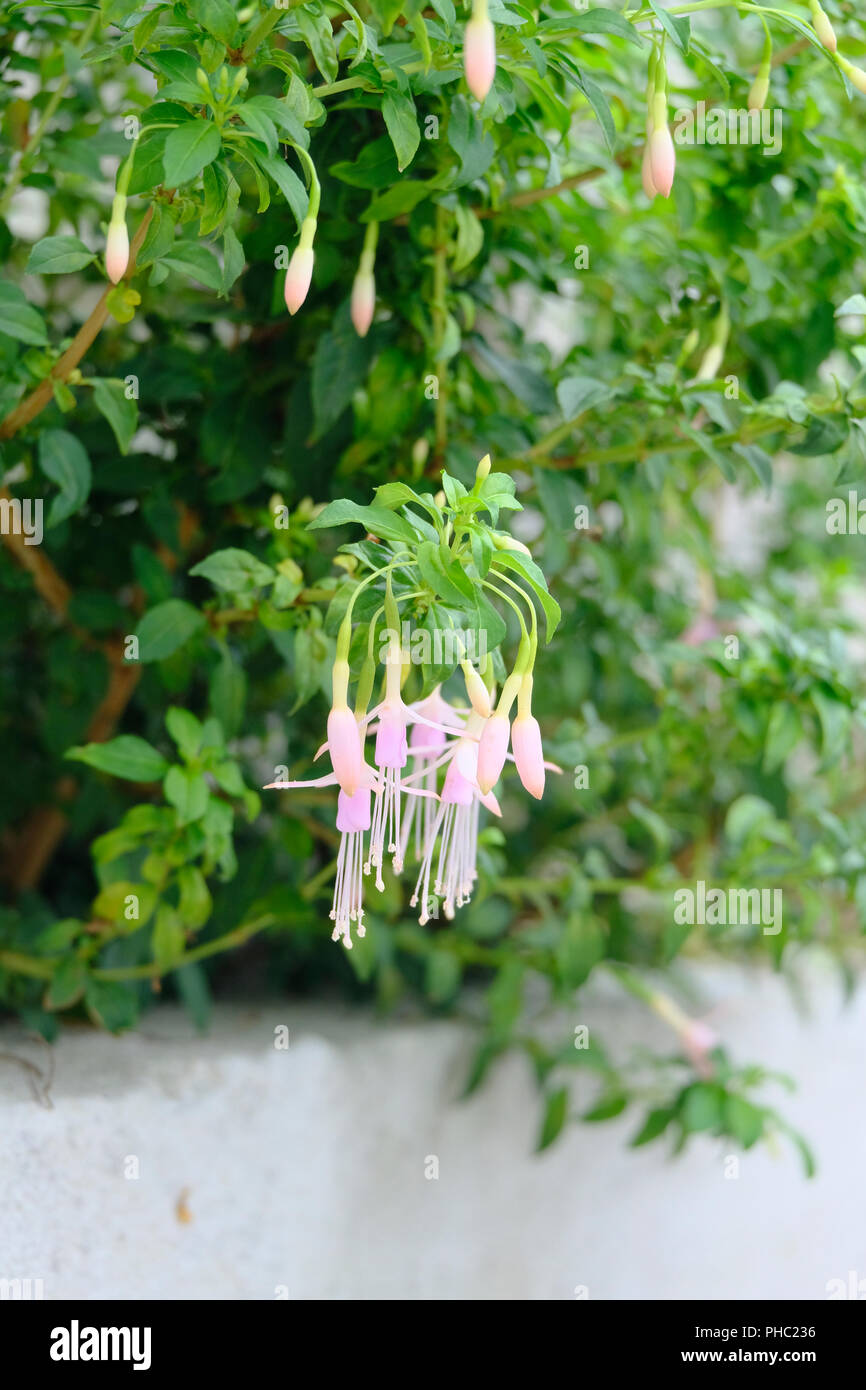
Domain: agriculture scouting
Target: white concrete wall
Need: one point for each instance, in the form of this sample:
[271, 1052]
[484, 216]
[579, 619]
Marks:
[306, 1168]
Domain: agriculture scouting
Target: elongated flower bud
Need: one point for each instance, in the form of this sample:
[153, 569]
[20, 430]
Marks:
[492, 750]
[479, 52]
[363, 302]
[479, 695]
[823, 27]
[300, 271]
[856, 76]
[117, 242]
[663, 157]
[344, 746]
[528, 754]
[759, 89]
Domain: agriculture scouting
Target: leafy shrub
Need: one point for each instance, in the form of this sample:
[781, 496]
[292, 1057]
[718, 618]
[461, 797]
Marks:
[464, 277]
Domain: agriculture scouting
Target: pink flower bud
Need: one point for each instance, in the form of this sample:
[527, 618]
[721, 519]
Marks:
[479, 55]
[298, 277]
[116, 251]
[363, 302]
[662, 160]
[528, 755]
[492, 748]
[344, 746]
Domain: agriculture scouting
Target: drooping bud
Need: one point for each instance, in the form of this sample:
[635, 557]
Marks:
[526, 742]
[479, 695]
[663, 157]
[364, 288]
[823, 27]
[492, 750]
[363, 303]
[117, 242]
[300, 271]
[479, 51]
[528, 754]
[759, 89]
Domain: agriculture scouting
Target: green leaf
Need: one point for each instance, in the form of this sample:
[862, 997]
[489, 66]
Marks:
[597, 22]
[169, 938]
[376, 520]
[18, 319]
[67, 985]
[235, 571]
[126, 756]
[743, 1120]
[523, 565]
[192, 986]
[217, 17]
[111, 1005]
[555, 1114]
[400, 199]
[58, 255]
[193, 259]
[287, 182]
[195, 905]
[188, 149]
[701, 1107]
[185, 729]
[676, 27]
[443, 576]
[340, 365]
[64, 460]
[120, 412]
[167, 627]
[784, 731]
[316, 29]
[601, 106]
[606, 1109]
[402, 125]
[187, 791]
[654, 1125]
[233, 259]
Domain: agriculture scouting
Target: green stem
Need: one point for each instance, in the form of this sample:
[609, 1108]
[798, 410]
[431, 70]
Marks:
[263, 26]
[440, 291]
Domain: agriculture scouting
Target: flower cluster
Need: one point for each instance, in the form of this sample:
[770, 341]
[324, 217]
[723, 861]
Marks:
[435, 760]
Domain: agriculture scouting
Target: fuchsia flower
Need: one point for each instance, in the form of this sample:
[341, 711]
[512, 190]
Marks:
[456, 829]
[457, 752]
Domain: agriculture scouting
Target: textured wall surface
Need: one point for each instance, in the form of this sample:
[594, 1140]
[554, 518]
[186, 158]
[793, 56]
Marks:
[303, 1170]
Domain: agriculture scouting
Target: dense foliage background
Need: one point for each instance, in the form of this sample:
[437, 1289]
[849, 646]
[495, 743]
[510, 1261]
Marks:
[663, 365]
